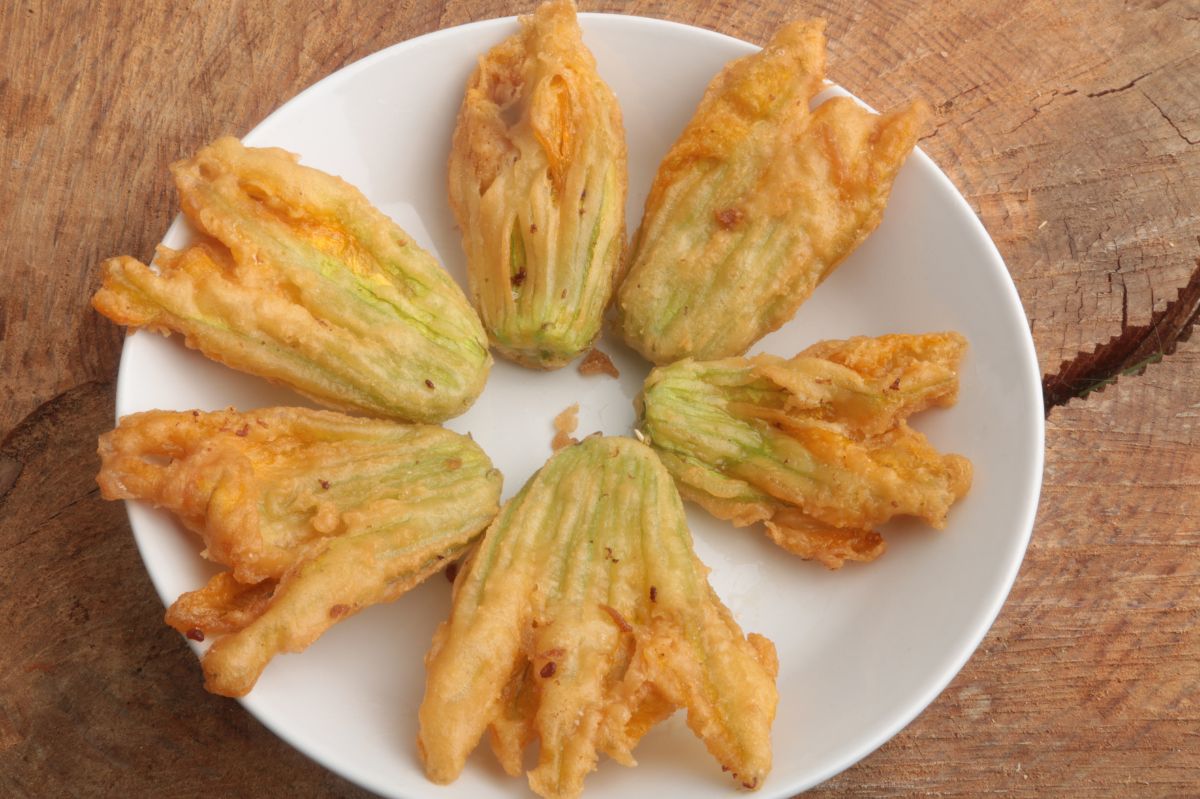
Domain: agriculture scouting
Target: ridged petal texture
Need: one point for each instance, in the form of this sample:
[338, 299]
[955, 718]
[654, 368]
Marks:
[301, 281]
[757, 202]
[817, 446]
[584, 618]
[316, 515]
[537, 182]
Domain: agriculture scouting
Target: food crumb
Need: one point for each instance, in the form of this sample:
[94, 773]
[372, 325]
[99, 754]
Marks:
[548, 670]
[728, 218]
[564, 425]
[196, 634]
[596, 362]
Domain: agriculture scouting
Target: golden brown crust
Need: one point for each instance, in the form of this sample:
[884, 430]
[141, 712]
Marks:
[598, 363]
[537, 181]
[583, 619]
[564, 425]
[756, 203]
[297, 279]
[777, 82]
[315, 514]
[816, 447]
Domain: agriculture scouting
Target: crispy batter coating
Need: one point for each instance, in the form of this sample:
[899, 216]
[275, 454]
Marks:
[301, 281]
[817, 446]
[583, 619]
[316, 515]
[537, 183]
[757, 202]
[564, 425]
[596, 362]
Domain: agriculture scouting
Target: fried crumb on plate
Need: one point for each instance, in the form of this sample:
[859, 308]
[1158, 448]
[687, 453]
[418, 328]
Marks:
[597, 362]
[564, 425]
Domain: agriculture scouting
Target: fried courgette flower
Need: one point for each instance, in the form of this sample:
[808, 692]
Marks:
[316, 515]
[302, 281]
[583, 619]
[537, 183]
[817, 446]
[757, 202]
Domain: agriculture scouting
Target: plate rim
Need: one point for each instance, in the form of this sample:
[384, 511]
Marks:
[1023, 522]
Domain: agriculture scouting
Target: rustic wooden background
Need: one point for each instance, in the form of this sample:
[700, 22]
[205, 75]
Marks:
[1071, 127]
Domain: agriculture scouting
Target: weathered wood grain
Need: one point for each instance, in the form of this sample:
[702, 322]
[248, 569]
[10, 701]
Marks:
[1129, 353]
[1071, 132]
[96, 99]
[1089, 683]
[1071, 127]
[98, 697]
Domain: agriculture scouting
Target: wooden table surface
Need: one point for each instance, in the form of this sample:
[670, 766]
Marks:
[1072, 128]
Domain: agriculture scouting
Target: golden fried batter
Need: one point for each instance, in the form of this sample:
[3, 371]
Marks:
[583, 619]
[317, 515]
[301, 281]
[596, 362]
[564, 425]
[756, 203]
[817, 446]
[537, 183]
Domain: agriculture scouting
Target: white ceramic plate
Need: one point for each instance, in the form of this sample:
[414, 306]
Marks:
[861, 651]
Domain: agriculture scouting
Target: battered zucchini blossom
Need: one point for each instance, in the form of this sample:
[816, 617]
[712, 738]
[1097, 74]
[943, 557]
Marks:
[315, 515]
[757, 202]
[584, 618]
[537, 182]
[300, 280]
[817, 446]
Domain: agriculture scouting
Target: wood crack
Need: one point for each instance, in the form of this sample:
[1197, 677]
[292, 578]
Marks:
[94, 493]
[1037, 109]
[957, 123]
[1130, 351]
[1116, 89]
[948, 103]
[1170, 121]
